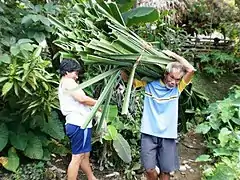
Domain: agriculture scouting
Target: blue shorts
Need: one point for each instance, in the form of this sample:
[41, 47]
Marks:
[80, 138]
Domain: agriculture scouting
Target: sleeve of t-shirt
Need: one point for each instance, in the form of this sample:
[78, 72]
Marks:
[71, 87]
[182, 85]
[139, 83]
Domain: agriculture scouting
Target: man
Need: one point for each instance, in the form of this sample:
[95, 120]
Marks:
[75, 105]
[159, 119]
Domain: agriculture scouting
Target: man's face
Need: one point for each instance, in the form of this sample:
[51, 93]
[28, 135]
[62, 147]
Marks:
[172, 79]
[73, 75]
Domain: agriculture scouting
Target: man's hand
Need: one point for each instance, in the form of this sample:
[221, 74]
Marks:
[124, 76]
[183, 61]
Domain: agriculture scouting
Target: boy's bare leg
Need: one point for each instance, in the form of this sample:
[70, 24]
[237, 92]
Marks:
[86, 168]
[73, 167]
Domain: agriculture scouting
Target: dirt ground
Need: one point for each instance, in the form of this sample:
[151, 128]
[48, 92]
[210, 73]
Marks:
[190, 147]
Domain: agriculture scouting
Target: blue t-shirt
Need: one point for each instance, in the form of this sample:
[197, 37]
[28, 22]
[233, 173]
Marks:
[160, 113]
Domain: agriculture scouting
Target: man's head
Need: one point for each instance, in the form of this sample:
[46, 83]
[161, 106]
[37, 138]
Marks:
[70, 68]
[173, 75]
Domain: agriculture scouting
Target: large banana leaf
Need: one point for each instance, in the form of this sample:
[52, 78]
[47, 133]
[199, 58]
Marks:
[34, 148]
[54, 127]
[122, 147]
[140, 15]
[19, 140]
[3, 135]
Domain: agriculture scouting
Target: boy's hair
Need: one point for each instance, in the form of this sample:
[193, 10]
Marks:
[69, 65]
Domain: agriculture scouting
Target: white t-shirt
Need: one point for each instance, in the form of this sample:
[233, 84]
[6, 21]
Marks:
[75, 112]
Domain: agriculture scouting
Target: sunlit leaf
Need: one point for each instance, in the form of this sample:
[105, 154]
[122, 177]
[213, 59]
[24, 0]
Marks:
[6, 88]
[203, 158]
[5, 58]
[12, 160]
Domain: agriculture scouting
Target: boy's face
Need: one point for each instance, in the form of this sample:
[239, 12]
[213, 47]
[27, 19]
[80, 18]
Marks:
[73, 75]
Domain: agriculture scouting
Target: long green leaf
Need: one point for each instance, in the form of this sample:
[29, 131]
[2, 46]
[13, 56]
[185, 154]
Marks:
[116, 13]
[101, 99]
[105, 109]
[58, 23]
[129, 88]
[96, 79]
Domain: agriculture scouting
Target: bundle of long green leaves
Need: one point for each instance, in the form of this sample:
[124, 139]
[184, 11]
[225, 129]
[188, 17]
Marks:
[96, 33]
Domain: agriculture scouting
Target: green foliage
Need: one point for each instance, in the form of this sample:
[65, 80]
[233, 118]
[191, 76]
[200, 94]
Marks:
[222, 129]
[217, 63]
[54, 127]
[12, 160]
[122, 148]
[3, 136]
[140, 15]
[34, 171]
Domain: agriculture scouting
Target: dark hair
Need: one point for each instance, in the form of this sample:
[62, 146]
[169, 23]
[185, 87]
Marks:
[69, 65]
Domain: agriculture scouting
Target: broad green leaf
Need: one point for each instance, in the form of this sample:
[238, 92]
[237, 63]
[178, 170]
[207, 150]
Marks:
[54, 127]
[12, 160]
[236, 102]
[46, 154]
[19, 140]
[223, 136]
[112, 132]
[140, 15]
[26, 46]
[203, 158]
[45, 21]
[23, 41]
[236, 120]
[1, 9]
[112, 113]
[3, 136]
[6, 87]
[26, 19]
[58, 148]
[8, 41]
[37, 52]
[122, 148]
[39, 37]
[222, 152]
[223, 172]
[5, 58]
[34, 148]
[203, 128]
[14, 50]
[35, 18]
